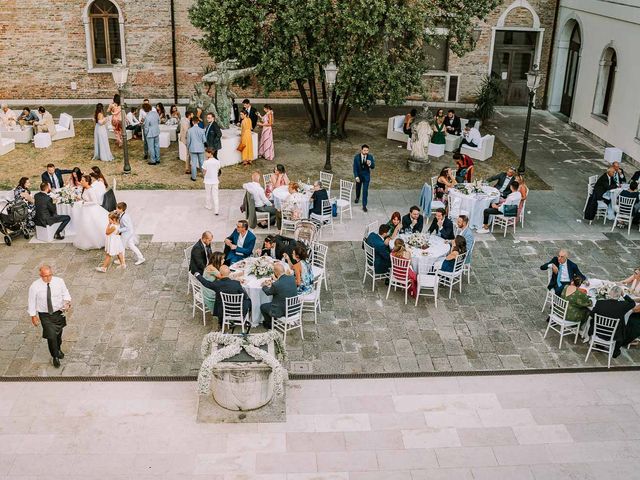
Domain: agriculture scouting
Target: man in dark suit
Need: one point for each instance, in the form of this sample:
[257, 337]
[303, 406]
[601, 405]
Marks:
[442, 225]
[319, 194]
[616, 306]
[200, 253]
[53, 176]
[503, 180]
[563, 271]
[452, 123]
[224, 284]
[251, 112]
[282, 288]
[363, 163]
[382, 259]
[605, 183]
[213, 134]
[240, 244]
[413, 222]
[618, 174]
[275, 246]
[46, 213]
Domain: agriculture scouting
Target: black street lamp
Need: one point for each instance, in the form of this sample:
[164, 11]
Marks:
[330, 74]
[533, 82]
[120, 74]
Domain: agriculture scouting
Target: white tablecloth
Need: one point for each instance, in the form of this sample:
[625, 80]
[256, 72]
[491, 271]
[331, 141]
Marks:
[613, 196]
[473, 204]
[66, 209]
[280, 194]
[228, 155]
[422, 260]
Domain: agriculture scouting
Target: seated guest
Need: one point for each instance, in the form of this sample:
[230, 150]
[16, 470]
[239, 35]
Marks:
[293, 203]
[442, 225]
[439, 114]
[634, 282]
[464, 167]
[462, 222]
[74, 180]
[46, 123]
[46, 213]
[161, 113]
[524, 191]
[400, 251]
[225, 284]
[616, 306]
[23, 193]
[319, 194]
[395, 225]
[498, 209]
[444, 182]
[413, 222]
[452, 123]
[471, 135]
[382, 260]
[563, 270]
[282, 287]
[27, 117]
[263, 204]
[174, 116]
[301, 268]
[633, 193]
[240, 244]
[503, 180]
[133, 123]
[275, 246]
[278, 178]
[618, 174]
[7, 117]
[459, 247]
[636, 176]
[409, 118]
[53, 176]
[579, 301]
[212, 273]
[200, 253]
[604, 184]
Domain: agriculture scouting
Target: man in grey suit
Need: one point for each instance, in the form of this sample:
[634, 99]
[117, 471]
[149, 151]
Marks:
[196, 140]
[284, 287]
[151, 128]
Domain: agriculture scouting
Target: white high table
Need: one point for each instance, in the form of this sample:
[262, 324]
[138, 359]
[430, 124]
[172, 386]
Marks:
[228, 155]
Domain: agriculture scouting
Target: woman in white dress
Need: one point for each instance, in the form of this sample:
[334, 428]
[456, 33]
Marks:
[101, 149]
[99, 183]
[90, 218]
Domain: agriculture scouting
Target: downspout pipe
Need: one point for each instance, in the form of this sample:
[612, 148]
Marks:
[551, 57]
[173, 52]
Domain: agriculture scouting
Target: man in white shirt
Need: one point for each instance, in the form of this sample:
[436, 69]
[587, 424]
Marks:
[133, 123]
[471, 135]
[210, 169]
[513, 199]
[260, 197]
[49, 299]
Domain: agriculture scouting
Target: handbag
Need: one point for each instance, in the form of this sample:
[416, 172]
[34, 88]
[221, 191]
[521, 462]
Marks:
[510, 210]
[241, 147]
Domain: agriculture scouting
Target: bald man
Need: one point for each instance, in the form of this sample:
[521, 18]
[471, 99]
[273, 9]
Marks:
[226, 285]
[282, 287]
[200, 253]
[563, 271]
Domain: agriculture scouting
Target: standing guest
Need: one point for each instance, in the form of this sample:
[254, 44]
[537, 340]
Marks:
[498, 209]
[200, 117]
[616, 306]
[563, 270]
[578, 301]
[200, 253]
[133, 124]
[503, 180]
[439, 132]
[225, 284]
[413, 222]
[22, 192]
[458, 247]
[266, 149]
[101, 149]
[250, 112]
[462, 222]
[280, 289]
[183, 151]
[7, 116]
[262, 203]
[471, 135]
[174, 116]
[210, 169]
[363, 163]
[45, 124]
[161, 113]
[27, 117]
[441, 225]
[382, 259]
[464, 167]
[275, 246]
[151, 128]
[113, 246]
[301, 268]
[400, 251]
[195, 144]
[46, 213]
[618, 174]
[452, 123]
[240, 244]
[53, 176]
[213, 134]
[604, 184]
[127, 232]
[246, 140]
[395, 226]
[317, 197]
[409, 118]
[49, 299]
[116, 118]
[212, 273]
[142, 115]
[279, 178]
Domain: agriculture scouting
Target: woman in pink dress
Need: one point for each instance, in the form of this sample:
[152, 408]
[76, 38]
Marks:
[265, 148]
[116, 118]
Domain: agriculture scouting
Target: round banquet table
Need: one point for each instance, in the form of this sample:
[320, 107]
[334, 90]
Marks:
[473, 204]
[423, 260]
[253, 286]
[280, 195]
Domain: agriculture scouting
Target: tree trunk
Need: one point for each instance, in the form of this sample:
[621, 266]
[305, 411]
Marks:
[342, 113]
[315, 126]
[315, 102]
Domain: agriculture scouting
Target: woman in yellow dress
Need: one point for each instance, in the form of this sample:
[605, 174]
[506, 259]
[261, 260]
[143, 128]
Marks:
[246, 142]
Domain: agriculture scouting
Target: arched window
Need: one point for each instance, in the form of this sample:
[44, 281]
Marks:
[104, 23]
[606, 82]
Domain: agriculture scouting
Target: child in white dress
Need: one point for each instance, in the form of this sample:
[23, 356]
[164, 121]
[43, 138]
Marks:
[113, 246]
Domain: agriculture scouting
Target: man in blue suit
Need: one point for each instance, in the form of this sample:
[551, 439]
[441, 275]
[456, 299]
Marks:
[240, 244]
[382, 259]
[363, 163]
[151, 128]
[563, 271]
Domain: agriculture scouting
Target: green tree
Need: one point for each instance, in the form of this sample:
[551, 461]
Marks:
[378, 45]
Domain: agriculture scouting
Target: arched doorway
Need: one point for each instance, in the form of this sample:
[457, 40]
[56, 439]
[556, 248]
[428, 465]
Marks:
[571, 72]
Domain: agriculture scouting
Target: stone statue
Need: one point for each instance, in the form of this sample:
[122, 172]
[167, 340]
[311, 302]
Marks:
[222, 77]
[201, 99]
[421, 135]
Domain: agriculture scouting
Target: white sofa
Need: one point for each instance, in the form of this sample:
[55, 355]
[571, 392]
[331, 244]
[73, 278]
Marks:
[20, 135]
[482, 151]
[64, 127]
[394, 129]
[6, 145]
[111, 135]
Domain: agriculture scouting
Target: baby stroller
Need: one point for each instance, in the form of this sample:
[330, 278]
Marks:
[14, 218]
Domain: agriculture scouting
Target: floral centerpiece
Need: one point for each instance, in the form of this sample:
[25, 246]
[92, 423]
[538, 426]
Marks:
[476, 186]
[66, 196]
[262, 267]
[416, 240]
[602, 292]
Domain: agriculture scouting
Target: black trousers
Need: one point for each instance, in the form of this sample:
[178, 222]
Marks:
[488, 212]
[64, 221]
[467, 142]
[52, 325]
[265, 308]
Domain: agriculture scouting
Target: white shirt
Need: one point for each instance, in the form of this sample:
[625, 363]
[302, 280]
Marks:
[241, 239]
[142, 115]
[563, 271]
[38, 296]
[513, 199]
[131, 119]
[257, 192]
[474, 136]
[211, 167]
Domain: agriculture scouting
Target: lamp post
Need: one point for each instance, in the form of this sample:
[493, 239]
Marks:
[475, 35]
[120, 73]
[330, 74]
[533, 82]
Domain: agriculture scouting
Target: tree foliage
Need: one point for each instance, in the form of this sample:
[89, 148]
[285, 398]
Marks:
[378, 45]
